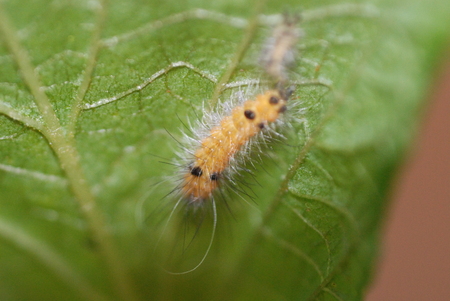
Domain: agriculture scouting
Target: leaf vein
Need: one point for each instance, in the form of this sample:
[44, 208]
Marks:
[148, 81]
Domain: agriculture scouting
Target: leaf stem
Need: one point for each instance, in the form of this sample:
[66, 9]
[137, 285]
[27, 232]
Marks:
[64, 148]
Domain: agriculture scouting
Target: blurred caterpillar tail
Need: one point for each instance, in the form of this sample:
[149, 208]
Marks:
[278, 53]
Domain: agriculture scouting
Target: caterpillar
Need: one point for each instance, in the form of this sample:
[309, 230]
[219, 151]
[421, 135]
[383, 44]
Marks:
[235, 131]
[209, 155]
[218, 144]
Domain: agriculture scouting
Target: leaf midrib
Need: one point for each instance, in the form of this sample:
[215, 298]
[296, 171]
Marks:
[65, 149]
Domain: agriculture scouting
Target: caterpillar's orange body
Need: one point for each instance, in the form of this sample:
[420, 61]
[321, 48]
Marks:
[213, 156]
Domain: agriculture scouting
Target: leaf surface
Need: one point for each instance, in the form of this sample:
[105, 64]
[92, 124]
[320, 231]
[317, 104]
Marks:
[84, 204]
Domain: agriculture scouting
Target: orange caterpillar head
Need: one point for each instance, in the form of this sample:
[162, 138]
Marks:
[224, 141]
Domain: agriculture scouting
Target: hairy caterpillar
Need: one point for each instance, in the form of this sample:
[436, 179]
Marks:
[212, 150]
[217, 150]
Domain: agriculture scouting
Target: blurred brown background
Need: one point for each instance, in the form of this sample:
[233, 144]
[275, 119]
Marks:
[415, 259]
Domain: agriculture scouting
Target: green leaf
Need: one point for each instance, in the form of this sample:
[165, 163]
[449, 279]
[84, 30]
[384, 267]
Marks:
[94, 93]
